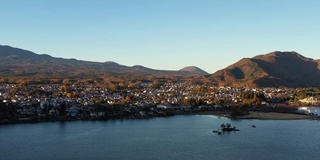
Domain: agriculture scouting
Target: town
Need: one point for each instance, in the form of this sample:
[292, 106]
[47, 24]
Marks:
[60, 102]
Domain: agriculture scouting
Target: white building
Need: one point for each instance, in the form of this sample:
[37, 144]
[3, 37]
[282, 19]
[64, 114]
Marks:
[310, 100]
[160, 106]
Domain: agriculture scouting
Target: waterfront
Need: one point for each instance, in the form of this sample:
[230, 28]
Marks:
[177, 137]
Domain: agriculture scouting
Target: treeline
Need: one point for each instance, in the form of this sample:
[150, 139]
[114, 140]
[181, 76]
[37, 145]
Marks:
[112, 82]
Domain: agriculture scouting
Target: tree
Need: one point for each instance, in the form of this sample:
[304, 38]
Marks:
[62, 109]
[66, 81]
[128, 98]
[247, 95]
[132, 85]
[156, 84]
[14, 90]
[65, 88]
[69, 95]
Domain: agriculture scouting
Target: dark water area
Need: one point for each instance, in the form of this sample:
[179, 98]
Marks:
[177, 137]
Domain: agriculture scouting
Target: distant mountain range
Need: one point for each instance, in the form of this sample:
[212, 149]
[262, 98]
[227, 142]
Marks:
[17, 62]
[274, 69]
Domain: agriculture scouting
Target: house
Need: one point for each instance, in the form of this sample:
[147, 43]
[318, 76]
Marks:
[310, 100]
[52, 112]
[217, 106]
[204, 107]
[162, 106]
[73, 111]
[43, 104]
[93, 114]
[186, 107]
[101, 114]
[42, 116]
[142, 113]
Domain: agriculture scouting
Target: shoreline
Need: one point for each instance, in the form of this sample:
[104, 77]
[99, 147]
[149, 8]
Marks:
[264, 115]
[252, 115]
[277, 116]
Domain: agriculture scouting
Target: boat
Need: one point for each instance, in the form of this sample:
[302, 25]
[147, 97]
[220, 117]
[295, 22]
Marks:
[217, 132]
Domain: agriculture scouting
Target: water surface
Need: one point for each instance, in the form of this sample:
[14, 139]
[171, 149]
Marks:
[178, 137]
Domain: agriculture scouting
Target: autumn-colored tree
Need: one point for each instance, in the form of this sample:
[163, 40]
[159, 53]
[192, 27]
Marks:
[128, 98]
[69, 95]
[138, 83]
[112, 87]
[55, 81]
[132, 85]
[122, 85]
[66, 81]
[185, 101]
[23, 82]
[65, 88]
[156, 84]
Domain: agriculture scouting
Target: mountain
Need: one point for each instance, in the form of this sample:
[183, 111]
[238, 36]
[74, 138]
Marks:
[19, 63]
[274, 69]
[194, 70]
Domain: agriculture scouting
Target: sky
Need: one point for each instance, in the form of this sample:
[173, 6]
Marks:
[162, 34]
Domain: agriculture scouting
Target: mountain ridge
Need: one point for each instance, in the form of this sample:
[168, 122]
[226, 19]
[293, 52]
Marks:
[18, 62]
[289, 69]
[274, 69]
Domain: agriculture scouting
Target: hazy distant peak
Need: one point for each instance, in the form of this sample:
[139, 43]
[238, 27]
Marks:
[111, 63]
[138, 66]
[194, 70]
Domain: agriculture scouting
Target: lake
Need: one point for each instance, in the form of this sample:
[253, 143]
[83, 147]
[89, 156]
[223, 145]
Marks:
[177, 137]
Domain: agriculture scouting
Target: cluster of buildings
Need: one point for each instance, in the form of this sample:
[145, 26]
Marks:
[58, 102]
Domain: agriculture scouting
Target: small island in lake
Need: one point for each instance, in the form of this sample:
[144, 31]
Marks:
[225, 128]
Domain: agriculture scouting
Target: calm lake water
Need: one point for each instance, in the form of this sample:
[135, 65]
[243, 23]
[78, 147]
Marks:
[178, 137]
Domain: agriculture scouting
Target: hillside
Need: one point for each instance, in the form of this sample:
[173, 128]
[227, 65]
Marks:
[274, 69]
[22, 64]
[194, 70]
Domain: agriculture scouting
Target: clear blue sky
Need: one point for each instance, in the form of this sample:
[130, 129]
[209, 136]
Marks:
[162, 34]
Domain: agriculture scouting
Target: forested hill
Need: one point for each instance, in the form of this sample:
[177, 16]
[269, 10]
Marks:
[274, 69]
